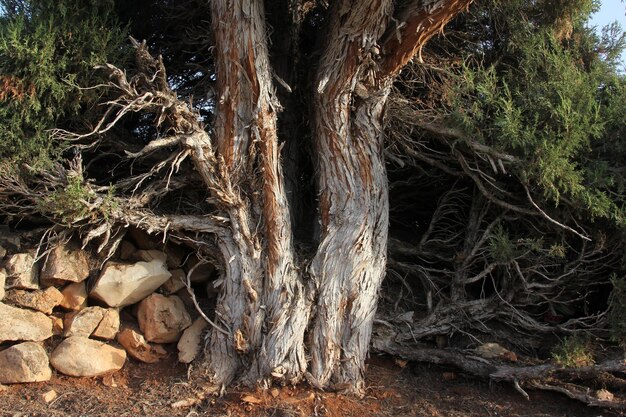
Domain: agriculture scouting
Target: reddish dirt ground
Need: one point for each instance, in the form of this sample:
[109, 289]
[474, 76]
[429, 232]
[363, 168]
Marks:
[414, 390]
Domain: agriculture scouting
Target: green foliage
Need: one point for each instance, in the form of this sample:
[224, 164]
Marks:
[501, 248]
[617, 310]
[547, 91]
[47, 49]
[76, 202]
[109, 203]
[557, 250]
[573, 352]
[69, 204]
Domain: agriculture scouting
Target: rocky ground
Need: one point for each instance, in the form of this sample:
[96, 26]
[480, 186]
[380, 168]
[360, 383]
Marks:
[65, 310]
[394, 389]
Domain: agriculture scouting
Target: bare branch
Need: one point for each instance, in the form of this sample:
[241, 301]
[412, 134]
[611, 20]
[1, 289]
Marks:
[551, 220]
[155, 145]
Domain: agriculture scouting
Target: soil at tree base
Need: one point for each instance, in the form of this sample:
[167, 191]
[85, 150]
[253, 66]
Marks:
[394, 389]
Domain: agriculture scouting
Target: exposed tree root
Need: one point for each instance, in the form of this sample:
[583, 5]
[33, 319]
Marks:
[576, 383]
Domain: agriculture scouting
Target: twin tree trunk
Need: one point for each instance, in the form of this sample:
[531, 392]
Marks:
[279, 321]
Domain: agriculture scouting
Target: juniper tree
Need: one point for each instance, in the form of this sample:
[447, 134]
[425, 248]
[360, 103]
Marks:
[260, 135]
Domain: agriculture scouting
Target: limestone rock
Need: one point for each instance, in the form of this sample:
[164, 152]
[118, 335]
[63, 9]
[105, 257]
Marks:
[20, 324]
[495, 351]
[137, 346]
[74, 296]
[22, 273]
[601, 394]
[190, 342]
[40, 300]
[84, 322]
[175, 283]
[109, 325]
[149, 255]
[80, 356]
[3, 280]
[120, 285]
[26, 362]
[64, 264]
[162, 319]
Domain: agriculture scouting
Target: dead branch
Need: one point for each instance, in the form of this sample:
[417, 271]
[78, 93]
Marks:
[544, 376]
[155, 145]
[550, 219]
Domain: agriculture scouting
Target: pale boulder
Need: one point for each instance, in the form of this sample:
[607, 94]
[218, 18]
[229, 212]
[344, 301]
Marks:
[74, 296]
[162, 319]
[26, 362]
[120, 285]
[495, 351]
[137, 347]
[191, 340]
[80, 356]
[84, 322]
[109, 325]
[64, 264]
[20, 324]
[40, 300]
[22, 273]
[150, 255]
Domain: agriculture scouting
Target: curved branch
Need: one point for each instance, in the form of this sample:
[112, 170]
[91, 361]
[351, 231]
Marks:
[551, 220]
[412, 28]
[155, 145]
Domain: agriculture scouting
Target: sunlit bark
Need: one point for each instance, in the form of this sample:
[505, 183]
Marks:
[265, 301]
[262, 298]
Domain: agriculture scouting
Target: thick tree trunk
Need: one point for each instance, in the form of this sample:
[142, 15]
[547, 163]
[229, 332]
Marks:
[262, 300]
[352, 85]
[350, 262]
[265, 304]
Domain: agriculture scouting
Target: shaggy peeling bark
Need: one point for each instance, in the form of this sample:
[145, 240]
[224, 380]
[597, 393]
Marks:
[352, 86]
[262, 299]
[293, 305]
[350, 262]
